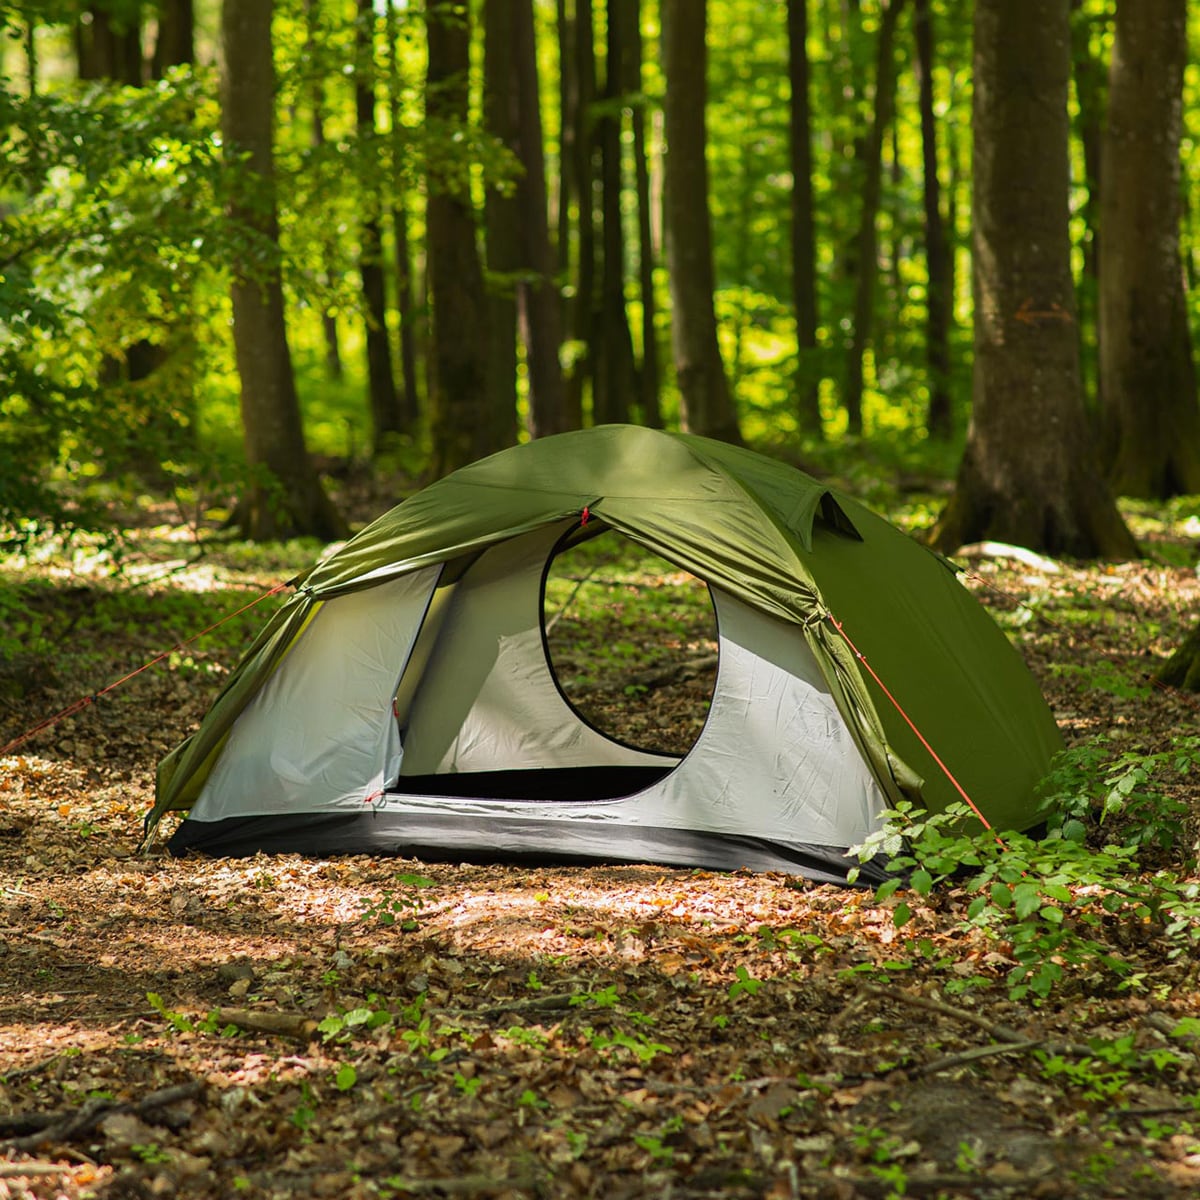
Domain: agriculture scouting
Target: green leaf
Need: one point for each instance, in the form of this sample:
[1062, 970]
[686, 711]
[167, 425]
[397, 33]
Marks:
[921, 882]
[901, 915]
[1002, 896]
[1026, 900]
[345, 1078]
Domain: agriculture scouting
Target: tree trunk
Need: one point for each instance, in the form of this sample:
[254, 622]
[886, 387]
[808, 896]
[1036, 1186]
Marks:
[1182, 669]
[284, 497]
[109, 46]
[708, 407]
[1148, 377]
[580, 322]
[409, 399]
[461, 425]
[1088, 73]
[1028, 473]
[501, 210]
[804, 235]
[386, 424]
[329, 323]
[649, 378]
[538, 302]
[867, 247]
[613, 372]
[175, 45]
[940, 417]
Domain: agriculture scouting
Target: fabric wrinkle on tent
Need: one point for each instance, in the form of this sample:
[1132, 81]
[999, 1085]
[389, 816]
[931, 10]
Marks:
[403, 701]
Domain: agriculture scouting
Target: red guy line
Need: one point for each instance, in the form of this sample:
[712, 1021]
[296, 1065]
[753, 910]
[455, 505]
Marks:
[82, 703]
[924, 742]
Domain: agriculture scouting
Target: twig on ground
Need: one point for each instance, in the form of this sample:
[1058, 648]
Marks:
[61, 1127]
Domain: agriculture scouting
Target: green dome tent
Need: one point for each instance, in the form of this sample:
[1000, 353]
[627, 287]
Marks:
[402, 700]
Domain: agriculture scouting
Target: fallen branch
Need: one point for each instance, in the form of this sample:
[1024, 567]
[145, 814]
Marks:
[920, 1185]
[61, 1127]
[296, 1026]
[949, 1061]
[17, 1170]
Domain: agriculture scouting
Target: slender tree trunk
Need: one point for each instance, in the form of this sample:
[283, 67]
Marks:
[461, 424]
[501, 210]
[568, 105]
[284, 497]
[1151, 418]
[1028, 473]
[940, 418]
[1090, 89]
[538, 303]
[804, 231]
[707, 404]
[581, 325]
[649, 377]
[410, 408]
[31, 56]
[381, 385]
[867, 252]
[613, 373]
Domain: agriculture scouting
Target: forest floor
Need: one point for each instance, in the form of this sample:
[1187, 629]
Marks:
[365, 1027]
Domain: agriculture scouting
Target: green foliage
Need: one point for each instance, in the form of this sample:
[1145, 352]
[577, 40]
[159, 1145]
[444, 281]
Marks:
[399, 908]
[1049, 901]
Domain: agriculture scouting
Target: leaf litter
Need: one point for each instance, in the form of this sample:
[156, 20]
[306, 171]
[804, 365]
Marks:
[260, 1027]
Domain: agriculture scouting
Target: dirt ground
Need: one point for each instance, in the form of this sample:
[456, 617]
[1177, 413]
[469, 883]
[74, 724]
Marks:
[287, 1027]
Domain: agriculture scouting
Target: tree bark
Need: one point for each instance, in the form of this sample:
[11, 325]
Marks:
[175, 45]
[867, 244]
[501, 210]
[109, 46]
[1028, 474]
[940, 415]
[708, 407]
[1182, 669]
[284, 497]
[649, 377]
[1148, 378]
[804, 232]
[386, 424]
[613, 373]
[410, 408]
[462, 426]
[581, 324]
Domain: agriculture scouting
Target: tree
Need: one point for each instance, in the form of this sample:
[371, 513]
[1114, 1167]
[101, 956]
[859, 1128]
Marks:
[175, 45]
[386, 420]
[708, 407]
[648, 377]
[1147, 374]
[108, 42]
[866, 255]
[804, 234]
[461, 424]
[538, 300]
[1028, 474]
[940, 418]
[613, 371]
[284, 497]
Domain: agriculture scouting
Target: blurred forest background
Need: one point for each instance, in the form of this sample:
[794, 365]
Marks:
[249, 249]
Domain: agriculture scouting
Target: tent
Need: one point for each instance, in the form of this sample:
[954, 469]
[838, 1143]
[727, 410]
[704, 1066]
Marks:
[402, 700]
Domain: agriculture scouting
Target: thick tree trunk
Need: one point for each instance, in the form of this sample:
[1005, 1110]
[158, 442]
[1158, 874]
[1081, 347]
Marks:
[284, 497]
[109, 46]
[867, 246]
[386, 423]
[1148, 378]
[708, 407]
[175, 45]
[613, 373]
[940, 417]
[538, 303]
[1182, 669]
[649, 377]
[1028, 474]
[461, 424]
[804, 232]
